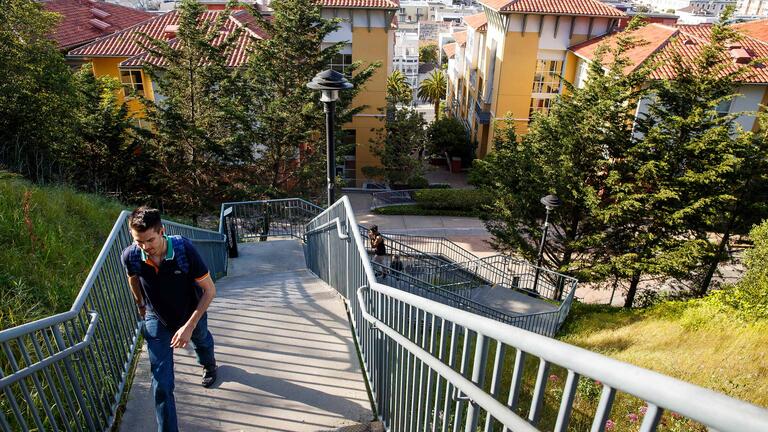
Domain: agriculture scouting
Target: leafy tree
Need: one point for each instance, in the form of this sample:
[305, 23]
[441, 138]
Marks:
[428, 54]
[448, 135]
[433, 89]
[283, 116]
[398, 89]
[195, 144]
[37, 98]
[666, 188]
[397, 145]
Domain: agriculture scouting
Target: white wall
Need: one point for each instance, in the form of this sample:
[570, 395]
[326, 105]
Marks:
[749, 100]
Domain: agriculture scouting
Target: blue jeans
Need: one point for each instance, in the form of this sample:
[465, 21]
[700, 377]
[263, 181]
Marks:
[158, 338]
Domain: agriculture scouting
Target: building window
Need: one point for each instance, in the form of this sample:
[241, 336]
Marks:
[540, 105]
[546, 79]
[341, 62]
[132, 82]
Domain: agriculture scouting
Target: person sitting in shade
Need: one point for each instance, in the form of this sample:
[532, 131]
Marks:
[379, 249]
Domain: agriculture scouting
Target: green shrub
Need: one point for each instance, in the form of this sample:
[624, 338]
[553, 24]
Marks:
[415, 210]
[750, 295]
[452, 199]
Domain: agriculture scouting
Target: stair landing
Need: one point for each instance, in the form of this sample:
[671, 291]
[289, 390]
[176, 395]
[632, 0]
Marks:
[287, 360]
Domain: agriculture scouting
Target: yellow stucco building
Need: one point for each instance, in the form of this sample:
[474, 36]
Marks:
[505, 66]
[365, 30]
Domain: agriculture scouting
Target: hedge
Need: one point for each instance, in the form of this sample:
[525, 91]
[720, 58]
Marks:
[470, 200]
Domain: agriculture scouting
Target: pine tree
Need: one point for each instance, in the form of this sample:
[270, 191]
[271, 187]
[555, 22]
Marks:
[564, 153]
[666, 188]
[196, 144]
[102, 160]
[284, 117]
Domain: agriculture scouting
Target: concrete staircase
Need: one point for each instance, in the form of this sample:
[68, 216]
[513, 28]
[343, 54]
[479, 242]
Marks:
[287, 360]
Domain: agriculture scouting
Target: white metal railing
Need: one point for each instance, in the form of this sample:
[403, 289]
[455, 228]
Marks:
[431, 366]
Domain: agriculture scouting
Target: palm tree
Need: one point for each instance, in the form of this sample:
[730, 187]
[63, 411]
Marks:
[433, 89]
[398, 89]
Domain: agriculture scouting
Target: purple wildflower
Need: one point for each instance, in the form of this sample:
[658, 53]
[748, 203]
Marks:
[643, 409]
[554, 378]
[632, 417]
[609, 425]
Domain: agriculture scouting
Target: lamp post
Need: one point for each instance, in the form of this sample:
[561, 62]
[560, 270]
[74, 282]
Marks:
[550, 203]
[329, 82]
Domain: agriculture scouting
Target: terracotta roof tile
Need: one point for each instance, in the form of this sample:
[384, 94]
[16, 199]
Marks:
[479, 22]
[362, 4]
[554, 7]
[650, 39]
[77, 28]
[685, 41]
[460, 38]
[127, 42]
[757, 29]
[450, 50]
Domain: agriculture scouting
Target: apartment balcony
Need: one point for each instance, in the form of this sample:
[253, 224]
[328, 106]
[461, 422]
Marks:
[482, 112]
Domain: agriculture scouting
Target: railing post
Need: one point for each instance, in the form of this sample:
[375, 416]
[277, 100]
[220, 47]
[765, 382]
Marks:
[478, 371]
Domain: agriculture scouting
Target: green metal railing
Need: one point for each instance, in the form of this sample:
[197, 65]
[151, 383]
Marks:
[434, 367]
[68, 371]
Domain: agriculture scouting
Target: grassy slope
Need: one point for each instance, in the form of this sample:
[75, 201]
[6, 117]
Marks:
[692, 341]
[47, 250]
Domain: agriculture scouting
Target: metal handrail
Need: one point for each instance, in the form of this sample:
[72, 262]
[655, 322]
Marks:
[69, 371]
[417, 352]
[392, 198]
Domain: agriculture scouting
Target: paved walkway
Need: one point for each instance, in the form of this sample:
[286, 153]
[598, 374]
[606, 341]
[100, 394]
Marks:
[287, 361]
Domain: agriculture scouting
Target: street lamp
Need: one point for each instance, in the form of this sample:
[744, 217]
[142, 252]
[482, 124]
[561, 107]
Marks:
[550, 203]
[329, 82]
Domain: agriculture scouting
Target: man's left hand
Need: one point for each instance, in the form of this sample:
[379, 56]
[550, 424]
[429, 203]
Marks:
[181, 338]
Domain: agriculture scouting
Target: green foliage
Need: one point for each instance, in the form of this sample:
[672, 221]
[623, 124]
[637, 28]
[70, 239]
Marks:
[195, 145]
[433, 89]
[283, 116]
[662, 191]
[749, 297]
[397, 146]
[428, 54]
[37, 99]
[452, 199]
[102, 159]
[51, 236]
[398, 89]
[447, 134]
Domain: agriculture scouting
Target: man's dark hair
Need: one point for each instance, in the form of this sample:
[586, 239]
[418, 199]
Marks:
[144, 218]
[375, 228]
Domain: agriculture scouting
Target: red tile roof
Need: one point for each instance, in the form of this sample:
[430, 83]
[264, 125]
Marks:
[686, 41]
[450, 49]
[650, 39]
[84, 21]
[479, 22]
[127, 42]
[460, 38]
[757, 29]
[593, 8]
[362, 4]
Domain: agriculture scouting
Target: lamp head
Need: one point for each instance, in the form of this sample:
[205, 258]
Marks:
[329, 82]
[551, 202]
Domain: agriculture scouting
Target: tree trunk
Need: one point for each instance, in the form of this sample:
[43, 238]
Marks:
[437, 110]
[704, 287]
[632, 291]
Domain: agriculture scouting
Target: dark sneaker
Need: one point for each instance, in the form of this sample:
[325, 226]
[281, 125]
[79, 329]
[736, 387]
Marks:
[209, 376]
